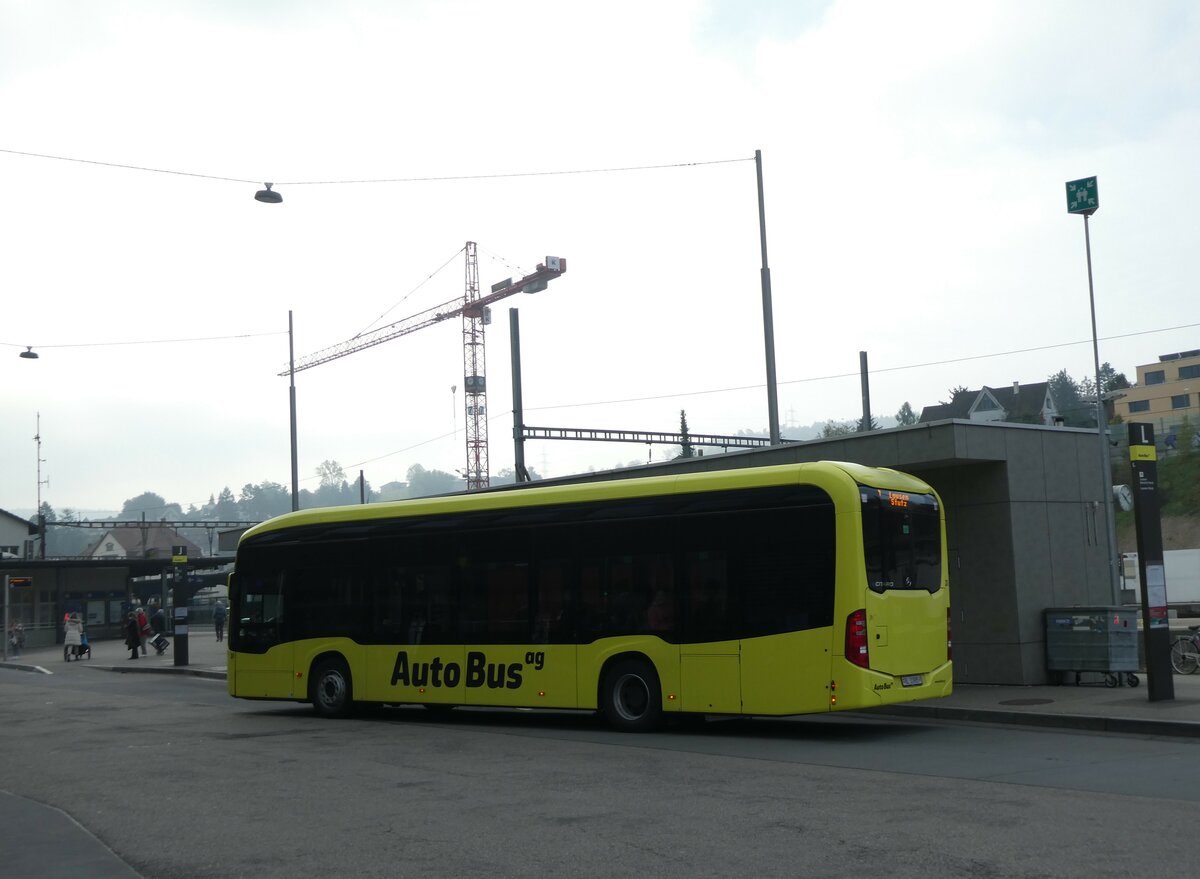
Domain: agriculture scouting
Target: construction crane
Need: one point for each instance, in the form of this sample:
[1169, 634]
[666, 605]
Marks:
[476, 312]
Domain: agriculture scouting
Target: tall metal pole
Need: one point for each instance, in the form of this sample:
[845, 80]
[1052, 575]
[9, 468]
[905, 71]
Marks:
[292, 404]
[514, 341]
[1110, 527]
[768, 317]
[865, 424]
[6, 617]
[41, 518]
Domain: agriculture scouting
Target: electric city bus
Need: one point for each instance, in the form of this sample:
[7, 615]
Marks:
[776, 590]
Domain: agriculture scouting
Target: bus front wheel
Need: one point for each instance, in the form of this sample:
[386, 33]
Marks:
[631, 698]
[332, 695]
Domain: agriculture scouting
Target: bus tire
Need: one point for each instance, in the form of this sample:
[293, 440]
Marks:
[631, 696]
[332, 693]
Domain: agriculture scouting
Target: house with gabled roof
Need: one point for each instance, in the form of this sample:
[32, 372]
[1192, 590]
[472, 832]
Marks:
[1022, 404]
[152, 541]
[14, 535]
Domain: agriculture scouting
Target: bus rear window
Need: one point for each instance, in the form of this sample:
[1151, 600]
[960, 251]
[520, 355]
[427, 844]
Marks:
[901, 540]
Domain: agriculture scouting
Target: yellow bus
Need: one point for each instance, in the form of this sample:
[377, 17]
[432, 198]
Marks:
[762, 591]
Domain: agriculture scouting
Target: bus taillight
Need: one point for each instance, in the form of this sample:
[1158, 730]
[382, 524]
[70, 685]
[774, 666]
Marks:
[949, 640]
[856, 638]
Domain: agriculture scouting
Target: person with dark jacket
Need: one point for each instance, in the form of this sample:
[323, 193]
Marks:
[219, 620]
[133, 635]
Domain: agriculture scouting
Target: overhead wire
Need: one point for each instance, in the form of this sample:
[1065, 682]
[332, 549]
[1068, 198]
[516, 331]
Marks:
[756, 387]
[425, 179]
[149, 341]
[410, 293]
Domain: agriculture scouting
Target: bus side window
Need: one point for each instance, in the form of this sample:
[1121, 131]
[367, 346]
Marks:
[708, 616]
[260, 615]
[387, 618]
[553, 623]
[429, 616]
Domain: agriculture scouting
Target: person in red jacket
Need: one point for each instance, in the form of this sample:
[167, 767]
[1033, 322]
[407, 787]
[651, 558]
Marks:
[144, 630]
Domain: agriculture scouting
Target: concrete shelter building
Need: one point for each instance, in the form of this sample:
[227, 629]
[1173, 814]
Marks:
[1024, 524]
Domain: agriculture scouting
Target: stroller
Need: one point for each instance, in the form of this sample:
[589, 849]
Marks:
[157, 639]
[78, 651]
[160, 643]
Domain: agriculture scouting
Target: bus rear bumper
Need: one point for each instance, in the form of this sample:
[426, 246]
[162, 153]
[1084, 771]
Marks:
[869, 689]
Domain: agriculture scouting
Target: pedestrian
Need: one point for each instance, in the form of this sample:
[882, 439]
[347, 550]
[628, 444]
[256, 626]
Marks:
[144, 629]
[158, 620]
[133, 635]
[219, 620]
[16, 638]
[73, 639]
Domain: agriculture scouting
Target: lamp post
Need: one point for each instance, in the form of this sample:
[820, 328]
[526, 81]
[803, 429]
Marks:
[768, 316]
[1083, 197]
[292, 405]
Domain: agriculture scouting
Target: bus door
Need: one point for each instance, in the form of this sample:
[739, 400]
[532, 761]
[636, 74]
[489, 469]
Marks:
[515, 619]
[905, 605]
[263, 662]
[710, 661]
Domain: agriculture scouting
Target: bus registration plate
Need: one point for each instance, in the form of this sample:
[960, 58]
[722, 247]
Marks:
[911, 680]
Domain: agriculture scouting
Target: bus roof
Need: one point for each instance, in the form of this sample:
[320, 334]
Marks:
[829, 472]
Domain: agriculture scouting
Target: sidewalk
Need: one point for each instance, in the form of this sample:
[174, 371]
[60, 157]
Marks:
[1091, 706]
[206, 657]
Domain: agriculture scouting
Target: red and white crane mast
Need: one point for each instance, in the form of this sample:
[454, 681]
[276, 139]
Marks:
[474, 310]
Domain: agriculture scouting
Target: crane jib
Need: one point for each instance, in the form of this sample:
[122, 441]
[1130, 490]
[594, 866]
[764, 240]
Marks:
[532, 283]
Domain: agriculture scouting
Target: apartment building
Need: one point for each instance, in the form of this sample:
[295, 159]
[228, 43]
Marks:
[1166, 392]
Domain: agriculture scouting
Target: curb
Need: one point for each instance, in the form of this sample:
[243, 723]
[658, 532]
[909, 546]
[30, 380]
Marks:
[21, 666]
[1087, 722]
[164, 670]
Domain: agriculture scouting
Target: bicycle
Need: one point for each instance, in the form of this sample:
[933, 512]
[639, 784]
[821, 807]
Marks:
[1185, 652]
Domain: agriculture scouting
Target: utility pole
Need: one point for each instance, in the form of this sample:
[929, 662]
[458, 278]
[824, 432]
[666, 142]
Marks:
[1083, 197]
[41, 518]
[768, 311]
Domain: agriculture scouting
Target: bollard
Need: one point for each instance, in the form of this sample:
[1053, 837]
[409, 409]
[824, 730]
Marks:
[181, 636]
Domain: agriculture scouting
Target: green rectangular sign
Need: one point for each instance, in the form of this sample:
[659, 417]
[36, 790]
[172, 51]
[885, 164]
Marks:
[1083, 197]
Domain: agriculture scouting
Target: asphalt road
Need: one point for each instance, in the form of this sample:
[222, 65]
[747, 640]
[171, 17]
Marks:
[179, 780]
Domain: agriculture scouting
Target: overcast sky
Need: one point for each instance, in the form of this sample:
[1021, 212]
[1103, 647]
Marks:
[914, 155]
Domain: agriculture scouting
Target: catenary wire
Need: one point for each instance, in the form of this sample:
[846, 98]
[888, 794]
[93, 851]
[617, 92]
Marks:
[427, 179]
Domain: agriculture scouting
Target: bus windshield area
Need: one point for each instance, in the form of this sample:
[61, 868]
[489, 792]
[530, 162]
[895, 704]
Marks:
[901, 540]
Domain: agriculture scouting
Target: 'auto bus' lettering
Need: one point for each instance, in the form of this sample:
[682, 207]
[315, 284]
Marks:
[435, 673]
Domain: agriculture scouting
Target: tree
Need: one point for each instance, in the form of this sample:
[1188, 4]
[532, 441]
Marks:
[686, 440]
[837, 428]
[1111, 380]
[507, 476]
[866, 423]
[906, 416]
[227, 507]
[1066, 393]
[150, 506]
[955, 393]
[331, 474]
[260, 502]
[423, 483]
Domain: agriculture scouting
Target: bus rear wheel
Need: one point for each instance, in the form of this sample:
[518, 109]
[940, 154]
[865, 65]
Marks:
[631, 696]
[332, 695]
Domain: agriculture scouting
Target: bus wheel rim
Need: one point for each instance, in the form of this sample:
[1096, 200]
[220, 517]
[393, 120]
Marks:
[631, 697]
[331, 689]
